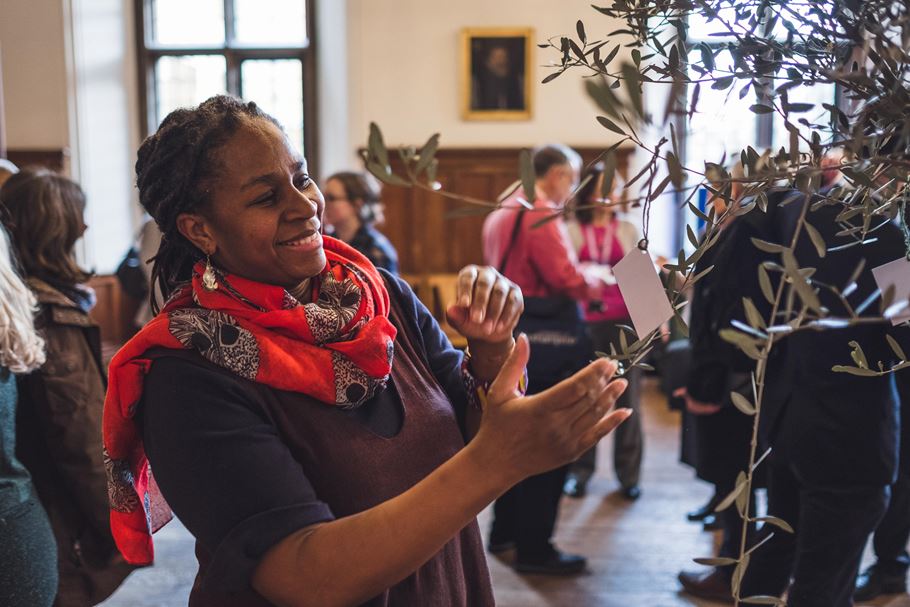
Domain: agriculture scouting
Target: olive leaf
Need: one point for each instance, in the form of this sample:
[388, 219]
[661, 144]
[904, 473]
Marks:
[742, 403]
[762, 599]
[896, 348]
[777, 522]
[741, 485]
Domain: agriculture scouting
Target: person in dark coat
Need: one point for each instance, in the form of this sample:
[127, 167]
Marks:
[721, 434]
[60, 404]
[833, 435]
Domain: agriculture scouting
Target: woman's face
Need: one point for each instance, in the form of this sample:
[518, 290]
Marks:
[339, 210]
[265, 213]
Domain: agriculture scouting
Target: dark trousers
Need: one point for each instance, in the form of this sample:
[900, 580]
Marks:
[732, 528]
[893, 532]
[628, 439]
[527, 513]
[832, 523]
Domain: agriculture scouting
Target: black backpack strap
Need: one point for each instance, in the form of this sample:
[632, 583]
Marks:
[512, 239]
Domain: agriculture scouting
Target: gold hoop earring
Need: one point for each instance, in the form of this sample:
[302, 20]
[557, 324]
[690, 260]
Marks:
[209, 279]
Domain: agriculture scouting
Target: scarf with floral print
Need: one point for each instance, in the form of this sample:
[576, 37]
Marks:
[337, 348]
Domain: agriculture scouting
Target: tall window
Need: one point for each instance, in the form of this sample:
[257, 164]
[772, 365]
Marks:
[723, 124]
[259, 50]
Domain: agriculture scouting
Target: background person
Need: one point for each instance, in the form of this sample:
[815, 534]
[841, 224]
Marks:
[601, 237]
[60, 404]
[543, 263]
[352, 210]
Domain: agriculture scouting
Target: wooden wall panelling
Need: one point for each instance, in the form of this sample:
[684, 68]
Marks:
[55, 160]
[428, 241]
[114, 311]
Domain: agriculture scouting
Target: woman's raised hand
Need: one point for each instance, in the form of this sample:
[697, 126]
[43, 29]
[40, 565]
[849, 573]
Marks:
[527, 435]
[487, 305]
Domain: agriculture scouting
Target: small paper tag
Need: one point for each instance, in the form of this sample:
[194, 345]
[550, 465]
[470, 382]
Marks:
[642, 291]
[897, 274]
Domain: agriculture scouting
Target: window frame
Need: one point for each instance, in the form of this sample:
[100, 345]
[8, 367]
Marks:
[234, 55]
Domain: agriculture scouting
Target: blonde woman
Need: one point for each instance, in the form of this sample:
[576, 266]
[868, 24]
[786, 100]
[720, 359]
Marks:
[28, 575]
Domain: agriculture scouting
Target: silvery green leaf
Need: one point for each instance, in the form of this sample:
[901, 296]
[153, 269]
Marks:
[741, 484]
[896, 347]
[742, 403]
[777, 522]
[716, 561]
[817, 240]
[859, 371]
[764, 281]
[762, 599]
[753, 315]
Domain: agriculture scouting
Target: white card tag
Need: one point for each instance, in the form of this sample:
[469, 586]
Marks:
[642, 291]
[895, 273]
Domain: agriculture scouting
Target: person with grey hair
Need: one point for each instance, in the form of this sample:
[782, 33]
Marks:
[542, 261]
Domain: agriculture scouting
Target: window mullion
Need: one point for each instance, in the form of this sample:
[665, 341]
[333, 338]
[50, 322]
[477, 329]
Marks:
[229, 33]
[234, 86]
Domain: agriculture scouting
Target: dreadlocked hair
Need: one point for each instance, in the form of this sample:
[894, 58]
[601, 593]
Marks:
[173, 168]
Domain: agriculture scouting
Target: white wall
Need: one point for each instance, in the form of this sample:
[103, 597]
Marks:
[332, 93]
[404, 72]
[33, 45]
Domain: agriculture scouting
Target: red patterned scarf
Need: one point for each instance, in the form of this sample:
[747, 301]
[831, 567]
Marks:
[337, 348]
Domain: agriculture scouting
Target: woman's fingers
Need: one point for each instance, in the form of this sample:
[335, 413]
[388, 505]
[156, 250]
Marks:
[606, 425]
[464, 288]
[511, 311]
[503, 387]
[499, 294]
[589, 414]
[483, 286]
[589, 383]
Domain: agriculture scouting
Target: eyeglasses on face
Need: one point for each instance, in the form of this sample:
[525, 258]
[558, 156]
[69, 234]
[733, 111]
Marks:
[329, 198]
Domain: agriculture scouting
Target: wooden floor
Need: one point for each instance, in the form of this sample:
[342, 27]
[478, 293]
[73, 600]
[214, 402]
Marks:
[635, 549]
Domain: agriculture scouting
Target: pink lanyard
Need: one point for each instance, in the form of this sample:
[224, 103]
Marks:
[604, 257]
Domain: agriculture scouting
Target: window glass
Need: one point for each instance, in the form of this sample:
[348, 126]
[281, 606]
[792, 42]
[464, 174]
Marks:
[188, 80]
[187, 24]
[270, 23]
[276, 85]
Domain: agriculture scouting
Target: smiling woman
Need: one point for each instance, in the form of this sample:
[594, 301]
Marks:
[305, 416]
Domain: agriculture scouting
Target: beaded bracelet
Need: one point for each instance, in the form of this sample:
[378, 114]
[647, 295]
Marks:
[478, 390]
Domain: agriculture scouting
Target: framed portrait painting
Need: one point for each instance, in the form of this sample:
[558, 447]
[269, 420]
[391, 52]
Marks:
[497, 73]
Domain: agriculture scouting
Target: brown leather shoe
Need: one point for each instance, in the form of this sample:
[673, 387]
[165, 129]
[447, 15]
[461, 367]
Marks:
[713, 584]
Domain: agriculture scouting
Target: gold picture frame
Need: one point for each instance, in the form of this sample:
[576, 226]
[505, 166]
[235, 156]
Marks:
[497, 72]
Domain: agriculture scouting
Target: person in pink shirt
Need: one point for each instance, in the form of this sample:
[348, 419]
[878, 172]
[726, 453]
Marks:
[540, 259]
[601, 237]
